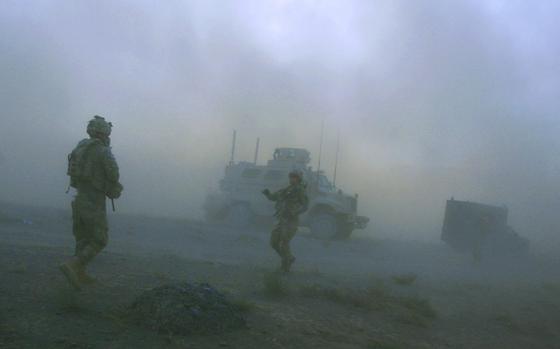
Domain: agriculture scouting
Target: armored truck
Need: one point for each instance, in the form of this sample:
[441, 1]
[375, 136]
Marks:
[481, 230]
[239, 201]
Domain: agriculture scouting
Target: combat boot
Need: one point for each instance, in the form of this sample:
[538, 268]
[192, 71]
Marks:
[71, 269]
[287, 263]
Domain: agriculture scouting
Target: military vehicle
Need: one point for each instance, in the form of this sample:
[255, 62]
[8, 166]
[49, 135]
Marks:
[239, 201]
[481, 230]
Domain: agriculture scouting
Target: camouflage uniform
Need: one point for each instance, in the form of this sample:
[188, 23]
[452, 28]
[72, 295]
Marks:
[89, 211]
[290, 203]
[95, 175]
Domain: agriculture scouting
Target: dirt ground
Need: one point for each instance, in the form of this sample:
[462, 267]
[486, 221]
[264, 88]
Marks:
[363, 293]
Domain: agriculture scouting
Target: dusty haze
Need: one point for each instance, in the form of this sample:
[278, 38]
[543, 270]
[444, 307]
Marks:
[432, 100]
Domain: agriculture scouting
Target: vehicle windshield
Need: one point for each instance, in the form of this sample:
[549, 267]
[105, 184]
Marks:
[325, 185]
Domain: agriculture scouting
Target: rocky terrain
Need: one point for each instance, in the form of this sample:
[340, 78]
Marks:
[363, 293]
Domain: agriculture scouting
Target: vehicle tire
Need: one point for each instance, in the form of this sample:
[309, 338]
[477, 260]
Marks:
[213, 216]
[344, 231]
[210, 217]
[324, 226]
[239, 216]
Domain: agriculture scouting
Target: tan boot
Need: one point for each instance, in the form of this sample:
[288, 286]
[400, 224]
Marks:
[70, 269]
[287, 263]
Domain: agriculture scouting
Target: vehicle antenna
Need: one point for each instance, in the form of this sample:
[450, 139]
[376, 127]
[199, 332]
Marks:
[336, 157]
[231, 160]
[257, 150]
[321, 147]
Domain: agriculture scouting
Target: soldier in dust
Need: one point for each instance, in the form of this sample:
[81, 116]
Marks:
[291, 202]
[94, 173]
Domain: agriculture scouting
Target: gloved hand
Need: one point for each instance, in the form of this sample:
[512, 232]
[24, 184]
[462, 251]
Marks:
[114, 191]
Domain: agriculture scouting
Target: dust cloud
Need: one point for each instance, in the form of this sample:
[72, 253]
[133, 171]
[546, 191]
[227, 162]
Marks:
[432, 100]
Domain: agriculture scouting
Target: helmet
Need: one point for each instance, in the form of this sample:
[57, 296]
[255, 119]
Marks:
[98, 125]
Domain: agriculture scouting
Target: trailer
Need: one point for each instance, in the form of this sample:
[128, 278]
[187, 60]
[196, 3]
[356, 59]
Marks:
[481, 230]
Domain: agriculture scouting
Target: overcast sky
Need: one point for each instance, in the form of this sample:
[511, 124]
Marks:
[432, 99]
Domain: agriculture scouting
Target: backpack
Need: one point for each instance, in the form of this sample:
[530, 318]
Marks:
[80, 164]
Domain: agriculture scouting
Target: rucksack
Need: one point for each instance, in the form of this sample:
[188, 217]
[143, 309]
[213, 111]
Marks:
[80, 163]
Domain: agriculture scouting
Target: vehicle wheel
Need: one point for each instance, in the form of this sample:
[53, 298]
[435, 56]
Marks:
[324, 226]
[239, 216]
[209, 217]
[344, 231]
[213, 217]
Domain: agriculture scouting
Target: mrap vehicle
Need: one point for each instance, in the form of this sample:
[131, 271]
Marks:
[240, 202]
[481, 230]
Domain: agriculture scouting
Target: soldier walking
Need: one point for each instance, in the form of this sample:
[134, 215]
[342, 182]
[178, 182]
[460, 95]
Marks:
[291, 202]
[94, 173]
